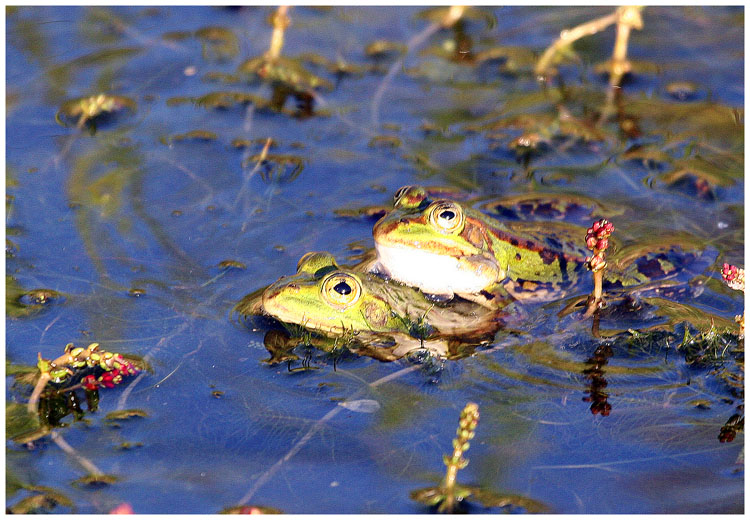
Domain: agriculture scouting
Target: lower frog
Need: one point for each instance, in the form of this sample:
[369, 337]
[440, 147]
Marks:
[361, 307]
[446, 248]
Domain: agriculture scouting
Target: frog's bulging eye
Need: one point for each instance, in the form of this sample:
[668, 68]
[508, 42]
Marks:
[447, 216]
[341, 290]
[400, 192]
[312, 262]
[409, 197]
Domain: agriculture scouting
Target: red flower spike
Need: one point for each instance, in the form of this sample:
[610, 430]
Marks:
[595, 262]
[598, 233]
[733, 276]
[728, 272]
[89, 383]
[106, 379]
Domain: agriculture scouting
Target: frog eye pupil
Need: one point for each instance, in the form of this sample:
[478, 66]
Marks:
[342, 288]
[447, 215]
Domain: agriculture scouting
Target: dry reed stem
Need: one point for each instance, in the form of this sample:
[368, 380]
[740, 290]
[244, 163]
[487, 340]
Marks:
[568, 36]
[280, 21]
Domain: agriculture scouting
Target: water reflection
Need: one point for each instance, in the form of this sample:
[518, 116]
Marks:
[595, 374]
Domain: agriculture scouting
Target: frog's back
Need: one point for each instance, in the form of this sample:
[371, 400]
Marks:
[540, 251]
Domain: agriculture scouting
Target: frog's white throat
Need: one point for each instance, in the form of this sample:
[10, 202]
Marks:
[434, 273]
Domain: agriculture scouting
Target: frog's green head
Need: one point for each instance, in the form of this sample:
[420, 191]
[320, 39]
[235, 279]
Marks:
[324, 297]
[436, 245]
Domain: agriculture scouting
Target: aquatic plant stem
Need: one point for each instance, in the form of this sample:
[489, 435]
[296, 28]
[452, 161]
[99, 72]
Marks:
[597, 239]
[598, 285]
[315, 428]
[246, 180]
[595, 302]
[280, 21]
[466, 426]
[568, 36]
[44, 366]
[452, 16]
[33, 405]
[628, 18]
[89, 466]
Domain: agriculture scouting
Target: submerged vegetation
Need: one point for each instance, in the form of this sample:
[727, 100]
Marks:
[449, 496]
[162, 162]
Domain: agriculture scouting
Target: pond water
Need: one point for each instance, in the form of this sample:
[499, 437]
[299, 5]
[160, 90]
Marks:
[129, 215]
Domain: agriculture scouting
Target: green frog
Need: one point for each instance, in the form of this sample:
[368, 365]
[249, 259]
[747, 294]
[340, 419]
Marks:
[334, 301]
[446, 248]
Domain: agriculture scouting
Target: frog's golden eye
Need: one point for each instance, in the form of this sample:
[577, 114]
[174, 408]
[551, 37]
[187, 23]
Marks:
[447, 216]
[341, 290]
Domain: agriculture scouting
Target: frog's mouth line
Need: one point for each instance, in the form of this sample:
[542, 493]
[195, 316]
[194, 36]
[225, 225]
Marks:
[281, 313]
[435, 273]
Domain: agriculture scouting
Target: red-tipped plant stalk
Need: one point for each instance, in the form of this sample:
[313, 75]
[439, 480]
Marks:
[734, 277]
[597, 239]
[60, 369]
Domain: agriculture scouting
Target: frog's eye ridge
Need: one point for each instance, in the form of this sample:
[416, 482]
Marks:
[341, 290]
[316, 262]
[446, 216]
[400, 192]
[410, 197]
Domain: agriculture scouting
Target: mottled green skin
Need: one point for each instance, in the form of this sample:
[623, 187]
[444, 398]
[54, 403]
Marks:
[382, 307]
[298, 299]
[517, 251]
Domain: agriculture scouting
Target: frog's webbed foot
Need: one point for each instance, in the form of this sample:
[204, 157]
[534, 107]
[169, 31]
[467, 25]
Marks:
[390, 348]
[439, 298]
[373, 265]
[363, 262]
[484, 298]
[435, 347]
[380, 353]
[528, 291]
[493, 297]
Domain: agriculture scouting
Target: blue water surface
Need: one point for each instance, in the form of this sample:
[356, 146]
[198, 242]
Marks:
[129, 202]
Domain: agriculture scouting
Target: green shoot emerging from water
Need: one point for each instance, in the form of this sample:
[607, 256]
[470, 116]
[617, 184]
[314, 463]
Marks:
[447, 495]
[466, 426]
